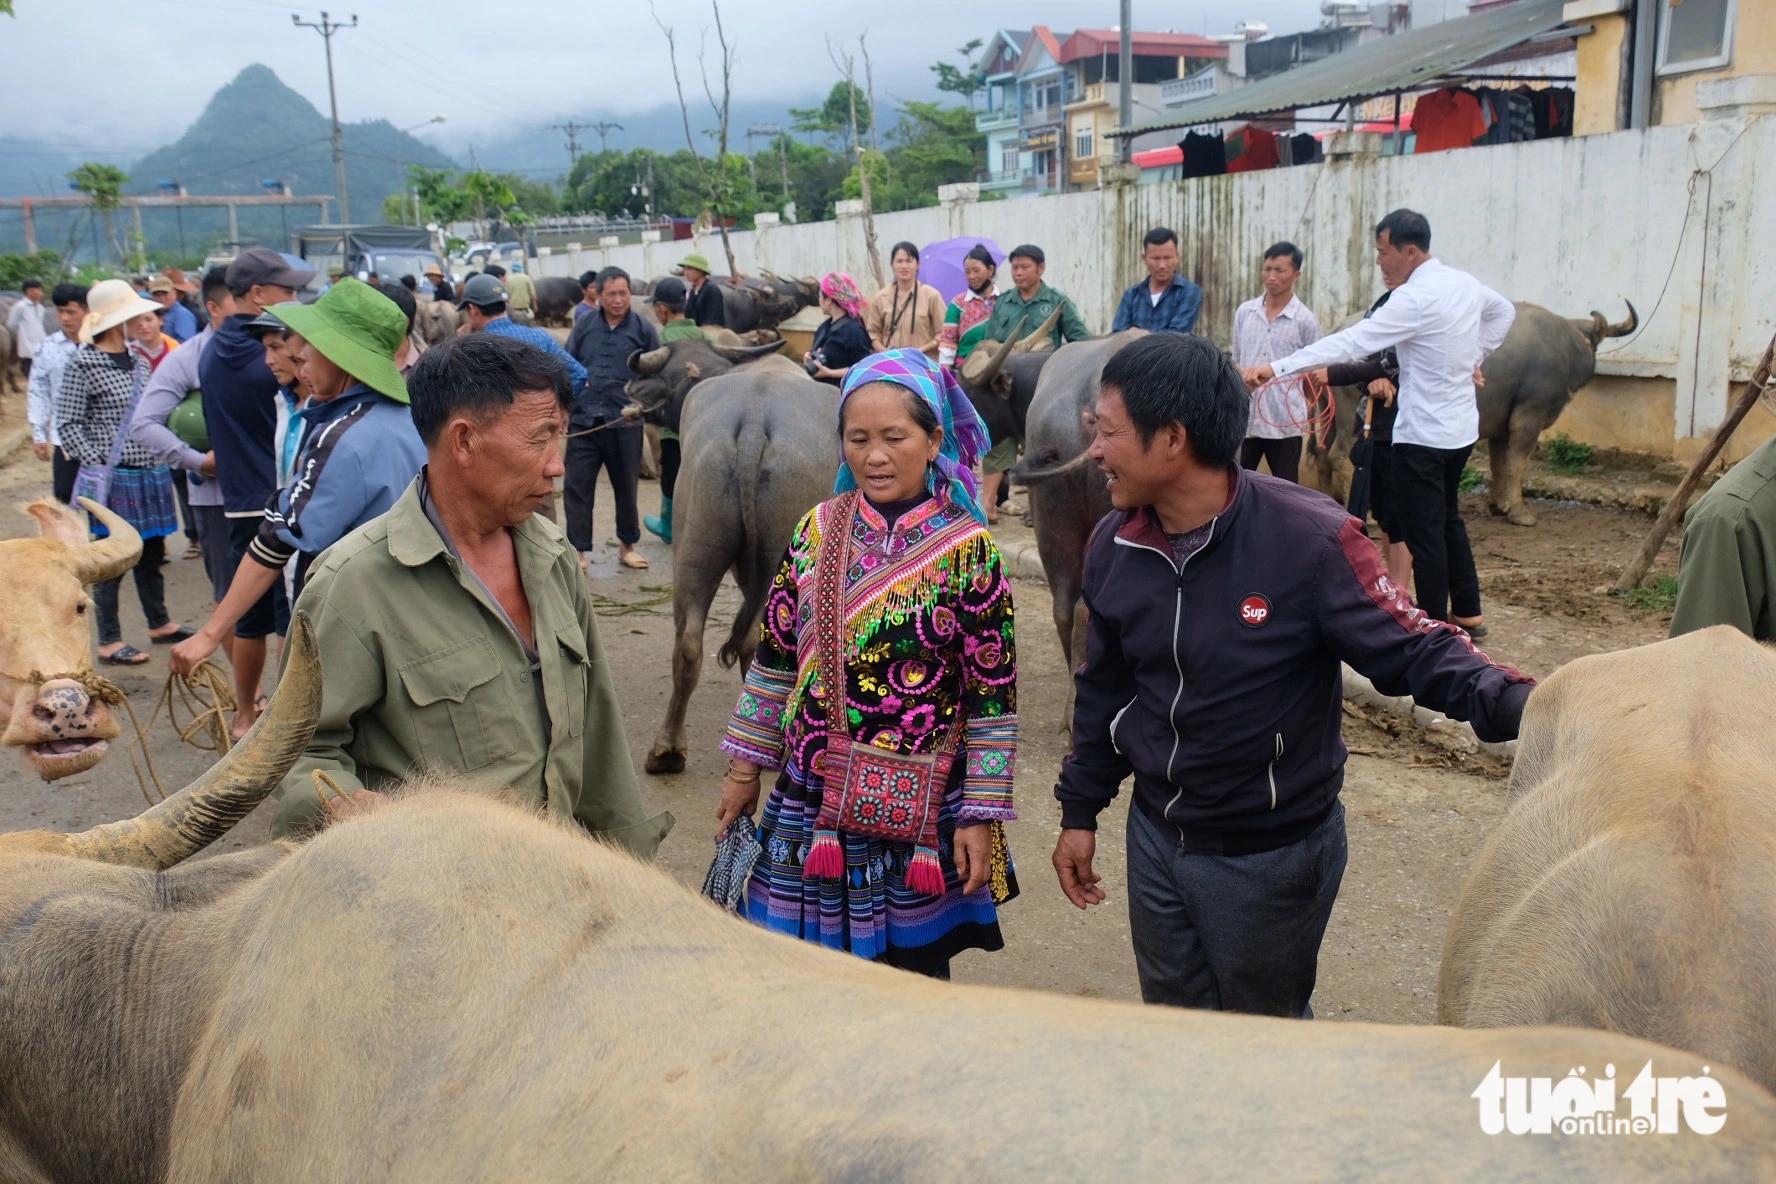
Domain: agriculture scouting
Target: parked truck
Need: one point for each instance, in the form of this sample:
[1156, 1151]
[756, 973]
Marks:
[389, 251]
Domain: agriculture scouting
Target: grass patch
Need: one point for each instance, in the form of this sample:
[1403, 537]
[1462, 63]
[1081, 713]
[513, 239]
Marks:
[1658, 594]
[1471, 479]
[1567, 456]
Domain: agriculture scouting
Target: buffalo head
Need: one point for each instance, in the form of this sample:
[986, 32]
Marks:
[1599, 327]
[52, 715]
[665, 376]
[985, 365]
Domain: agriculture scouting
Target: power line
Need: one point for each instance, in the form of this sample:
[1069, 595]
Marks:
[326, 29]
[572, 130]
[605, 129]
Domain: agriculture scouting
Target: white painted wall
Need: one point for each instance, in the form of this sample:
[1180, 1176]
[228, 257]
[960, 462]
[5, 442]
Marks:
[1573, 224]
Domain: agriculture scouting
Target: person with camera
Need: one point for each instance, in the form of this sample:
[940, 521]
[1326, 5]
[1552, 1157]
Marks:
[842, 341]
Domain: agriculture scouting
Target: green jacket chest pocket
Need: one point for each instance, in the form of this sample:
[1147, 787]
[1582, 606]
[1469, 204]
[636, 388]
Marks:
[463, 711]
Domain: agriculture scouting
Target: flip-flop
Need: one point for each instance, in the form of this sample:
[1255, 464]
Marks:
[192, 552]
[173, 638]
[633, 562]
[129, 655]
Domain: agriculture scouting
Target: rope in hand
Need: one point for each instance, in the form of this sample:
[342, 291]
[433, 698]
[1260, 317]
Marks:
[1321, 407]
[623, 420]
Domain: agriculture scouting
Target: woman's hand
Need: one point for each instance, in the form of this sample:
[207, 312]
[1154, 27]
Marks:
[973, 848]
[739, 793]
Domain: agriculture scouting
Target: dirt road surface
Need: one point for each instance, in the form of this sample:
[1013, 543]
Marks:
[1417, 814]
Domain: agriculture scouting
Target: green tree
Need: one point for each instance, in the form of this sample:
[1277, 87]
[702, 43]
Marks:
[440, 200]
[966, 82]
[104, 184]
[44, 266]
[833, 117]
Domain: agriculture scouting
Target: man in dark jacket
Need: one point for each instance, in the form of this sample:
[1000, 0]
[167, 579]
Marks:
[1222, 602]
[240, 413]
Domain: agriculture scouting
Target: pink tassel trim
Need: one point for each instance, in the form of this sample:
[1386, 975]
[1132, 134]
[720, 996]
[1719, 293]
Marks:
[826, 859]
[925, 874]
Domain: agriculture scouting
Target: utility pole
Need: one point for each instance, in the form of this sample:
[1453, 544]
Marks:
[572, 130]
[604, 130]
[326, 29]
[1125, 82]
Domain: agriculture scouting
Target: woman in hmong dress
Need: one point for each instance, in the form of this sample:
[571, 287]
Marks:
[928, 633]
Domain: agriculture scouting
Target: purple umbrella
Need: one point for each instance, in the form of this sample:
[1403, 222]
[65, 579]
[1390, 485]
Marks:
[940, 263]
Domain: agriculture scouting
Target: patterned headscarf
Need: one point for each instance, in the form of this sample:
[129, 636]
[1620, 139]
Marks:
[964, 435]
[841, 289]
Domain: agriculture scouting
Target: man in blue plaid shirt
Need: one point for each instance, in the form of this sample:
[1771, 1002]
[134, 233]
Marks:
[1166, 302]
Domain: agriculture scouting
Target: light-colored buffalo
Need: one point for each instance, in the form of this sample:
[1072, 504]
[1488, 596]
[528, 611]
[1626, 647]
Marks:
[53, 718]
[1631, 885]
[451, 989]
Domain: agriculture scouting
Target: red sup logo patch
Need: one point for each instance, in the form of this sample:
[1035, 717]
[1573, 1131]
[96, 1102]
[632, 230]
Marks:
[1254, 611]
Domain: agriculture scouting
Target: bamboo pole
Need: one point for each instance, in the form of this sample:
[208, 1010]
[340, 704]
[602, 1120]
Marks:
[1674, 509]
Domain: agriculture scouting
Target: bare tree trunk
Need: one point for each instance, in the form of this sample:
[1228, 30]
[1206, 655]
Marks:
[869, 206]
[714, 184]
[847, 66]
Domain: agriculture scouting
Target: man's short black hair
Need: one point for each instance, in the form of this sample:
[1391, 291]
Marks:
[1032, 253]
[492, 311]
[1182, 378]
[65, 294]
[215, 283]
[1278, 250]
[408, 282]
[477, 375]
[1158, 237]
[613, 273]
[587, 279]
[1406, 228]
[29, 284]
[495, 270]
[403, 298]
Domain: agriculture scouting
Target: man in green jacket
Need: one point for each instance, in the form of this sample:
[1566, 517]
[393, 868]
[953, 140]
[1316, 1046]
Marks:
[1031, 301]
[1728, 572]
[456, 632]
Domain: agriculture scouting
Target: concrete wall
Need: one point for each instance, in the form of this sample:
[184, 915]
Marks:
[1668, 217]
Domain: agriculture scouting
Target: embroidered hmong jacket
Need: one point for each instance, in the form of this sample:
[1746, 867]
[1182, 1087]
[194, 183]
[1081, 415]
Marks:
[927, 632]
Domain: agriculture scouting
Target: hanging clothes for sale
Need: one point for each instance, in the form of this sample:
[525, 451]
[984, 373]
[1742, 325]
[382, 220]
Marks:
[1306, 149]
[1250, 150]
[1204, 155]
[1447, 118]
[1522, 123]
[1560, 110]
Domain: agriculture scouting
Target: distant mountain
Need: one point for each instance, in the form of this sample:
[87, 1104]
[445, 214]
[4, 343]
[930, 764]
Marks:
[253, 129]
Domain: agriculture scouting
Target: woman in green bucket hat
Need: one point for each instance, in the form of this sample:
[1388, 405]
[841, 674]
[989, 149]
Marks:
[359, 450]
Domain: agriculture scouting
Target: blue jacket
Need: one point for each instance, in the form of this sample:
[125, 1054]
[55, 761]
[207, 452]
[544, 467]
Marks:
[1218, 684]
[240, 411]
[359, 453]
[1175, 313]
[178, 322]
[507, 327]
[605, 352]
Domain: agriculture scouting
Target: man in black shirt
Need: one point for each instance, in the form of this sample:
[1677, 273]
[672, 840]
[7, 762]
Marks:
[704, 307]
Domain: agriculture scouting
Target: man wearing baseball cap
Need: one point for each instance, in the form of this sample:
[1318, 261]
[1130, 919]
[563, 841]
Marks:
[240, 413]
[176, 321]
[484, 299]
[704, 304]
[360, 450]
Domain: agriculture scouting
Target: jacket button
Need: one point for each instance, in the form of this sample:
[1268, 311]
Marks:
[524, 676]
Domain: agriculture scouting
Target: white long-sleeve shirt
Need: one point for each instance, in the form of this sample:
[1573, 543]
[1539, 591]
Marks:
[46, 371]
[26, 322]
[1442, 323]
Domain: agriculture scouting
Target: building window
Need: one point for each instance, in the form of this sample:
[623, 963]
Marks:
[1695, 34]
[1082, 143]
[1008, 158]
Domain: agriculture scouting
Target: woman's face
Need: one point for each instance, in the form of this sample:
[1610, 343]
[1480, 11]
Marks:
[144, 328]
[830, 307]
[885, 448]
[978, 273]
[906, 268]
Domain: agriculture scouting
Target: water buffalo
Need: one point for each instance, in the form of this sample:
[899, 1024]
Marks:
[759, 443]
[388, 1002]
[1067, 493]
[1000, 378]
[556, 296]
[1544, 359]
[53, 717]
[1631, 885]
[763, 301]
[436, 320]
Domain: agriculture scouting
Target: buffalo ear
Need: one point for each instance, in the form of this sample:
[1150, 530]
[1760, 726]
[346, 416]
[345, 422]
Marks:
[57, 522]
[650, 362]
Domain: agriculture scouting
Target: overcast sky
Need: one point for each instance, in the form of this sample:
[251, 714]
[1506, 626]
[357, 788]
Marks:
[132, 76]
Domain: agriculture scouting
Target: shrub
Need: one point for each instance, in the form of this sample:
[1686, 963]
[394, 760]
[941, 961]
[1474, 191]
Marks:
[1567, 456]
[1471, 479]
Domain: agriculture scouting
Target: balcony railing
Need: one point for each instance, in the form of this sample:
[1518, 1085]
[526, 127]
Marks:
[1003, 117]
[1093, 93]
[1200, 85]
[1037, 116]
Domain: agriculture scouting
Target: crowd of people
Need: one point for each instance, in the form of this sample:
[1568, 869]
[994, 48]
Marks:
[403, 498]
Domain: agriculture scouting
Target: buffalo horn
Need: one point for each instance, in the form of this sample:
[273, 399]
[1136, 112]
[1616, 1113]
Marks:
[979, 372]
[1026, 476]
[746, 353]
[649, 362]
[204, 811]
[107, 558]
[1042, 339]
[1625, 327]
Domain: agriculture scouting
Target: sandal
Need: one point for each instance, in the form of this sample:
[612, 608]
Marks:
[129, 655]
[192, 552]
[633, 561]
[1477, 630]
[173, 638]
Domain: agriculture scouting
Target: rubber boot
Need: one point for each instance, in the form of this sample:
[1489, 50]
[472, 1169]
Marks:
[662, 525]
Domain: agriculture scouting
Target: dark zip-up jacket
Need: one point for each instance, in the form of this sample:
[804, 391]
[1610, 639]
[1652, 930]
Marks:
[1218, 685]
[240, 410]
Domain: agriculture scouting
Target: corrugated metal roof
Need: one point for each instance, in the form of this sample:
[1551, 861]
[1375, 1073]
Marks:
[1406, 61]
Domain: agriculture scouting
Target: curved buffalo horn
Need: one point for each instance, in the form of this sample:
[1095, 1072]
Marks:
[746, 353]
[978, 372]
[1623, 328]
[106, 558]
[649, 362]
[1054, 472]
[204, 811]
[1043, 337]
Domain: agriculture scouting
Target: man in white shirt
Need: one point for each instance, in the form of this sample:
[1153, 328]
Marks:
[1266, 328]
[40, 389]
[1442, 323]
[26, 322]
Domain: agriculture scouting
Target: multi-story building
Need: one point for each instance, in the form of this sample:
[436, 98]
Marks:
[1091, 56]
[1001, 114]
